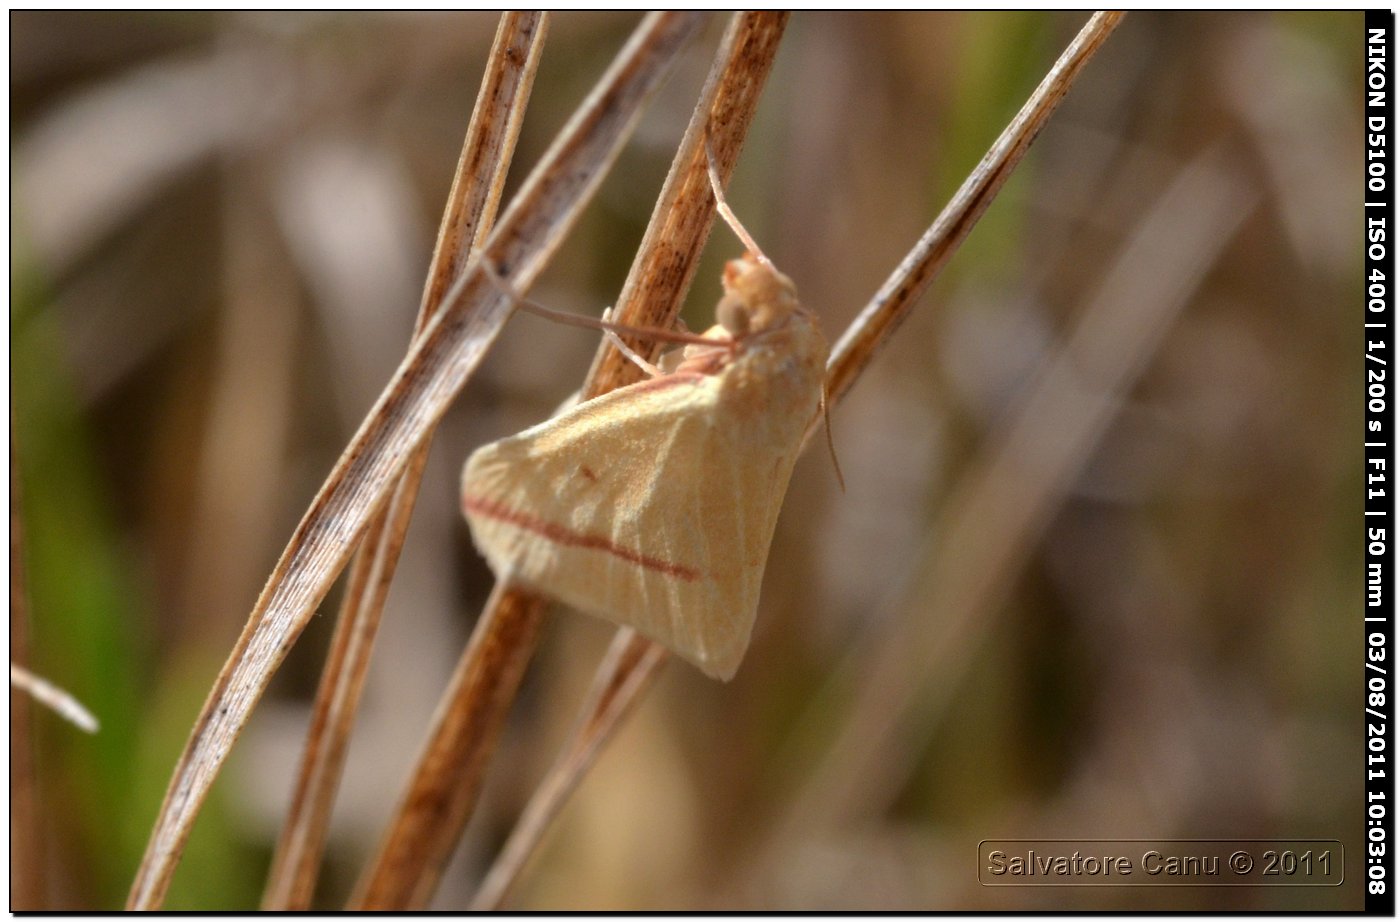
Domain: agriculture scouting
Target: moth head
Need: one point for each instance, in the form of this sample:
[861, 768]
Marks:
[757, 297]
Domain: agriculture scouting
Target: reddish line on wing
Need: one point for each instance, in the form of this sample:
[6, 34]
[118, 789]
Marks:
[560, 535]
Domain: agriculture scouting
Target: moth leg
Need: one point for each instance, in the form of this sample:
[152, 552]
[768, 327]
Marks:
[503, 285]
[627, 350]
[610, 330]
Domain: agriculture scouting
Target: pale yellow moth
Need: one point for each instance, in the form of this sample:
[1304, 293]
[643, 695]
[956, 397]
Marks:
[653, 506]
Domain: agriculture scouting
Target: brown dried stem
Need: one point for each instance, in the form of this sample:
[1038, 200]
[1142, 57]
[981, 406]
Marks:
[892, 303]
[630, 674]
[405, 871]
[471, 208]
[448, 776]
[680, 223]
[435, 370]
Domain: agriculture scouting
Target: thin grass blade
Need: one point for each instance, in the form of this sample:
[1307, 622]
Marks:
[892, 303]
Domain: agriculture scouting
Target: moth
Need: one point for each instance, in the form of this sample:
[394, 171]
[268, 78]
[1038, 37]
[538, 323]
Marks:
[653, 506]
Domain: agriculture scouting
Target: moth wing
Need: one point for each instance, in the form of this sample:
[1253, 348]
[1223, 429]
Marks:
[652, 506]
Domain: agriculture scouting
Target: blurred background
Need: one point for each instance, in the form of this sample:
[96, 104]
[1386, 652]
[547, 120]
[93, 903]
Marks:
[1096, 572]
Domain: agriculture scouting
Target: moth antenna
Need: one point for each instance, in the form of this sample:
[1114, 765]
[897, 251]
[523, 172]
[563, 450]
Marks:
[727, 213]
[830, 442]
[627, 351]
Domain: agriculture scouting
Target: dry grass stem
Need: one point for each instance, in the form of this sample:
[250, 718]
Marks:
[872, 328]
[630, 675]
[680, 223]
[471, 208]
[994, 519]
[446, 781]
[437, 367]
[406, 869]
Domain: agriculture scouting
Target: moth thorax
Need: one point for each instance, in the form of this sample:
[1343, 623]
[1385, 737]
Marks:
[757, 297]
